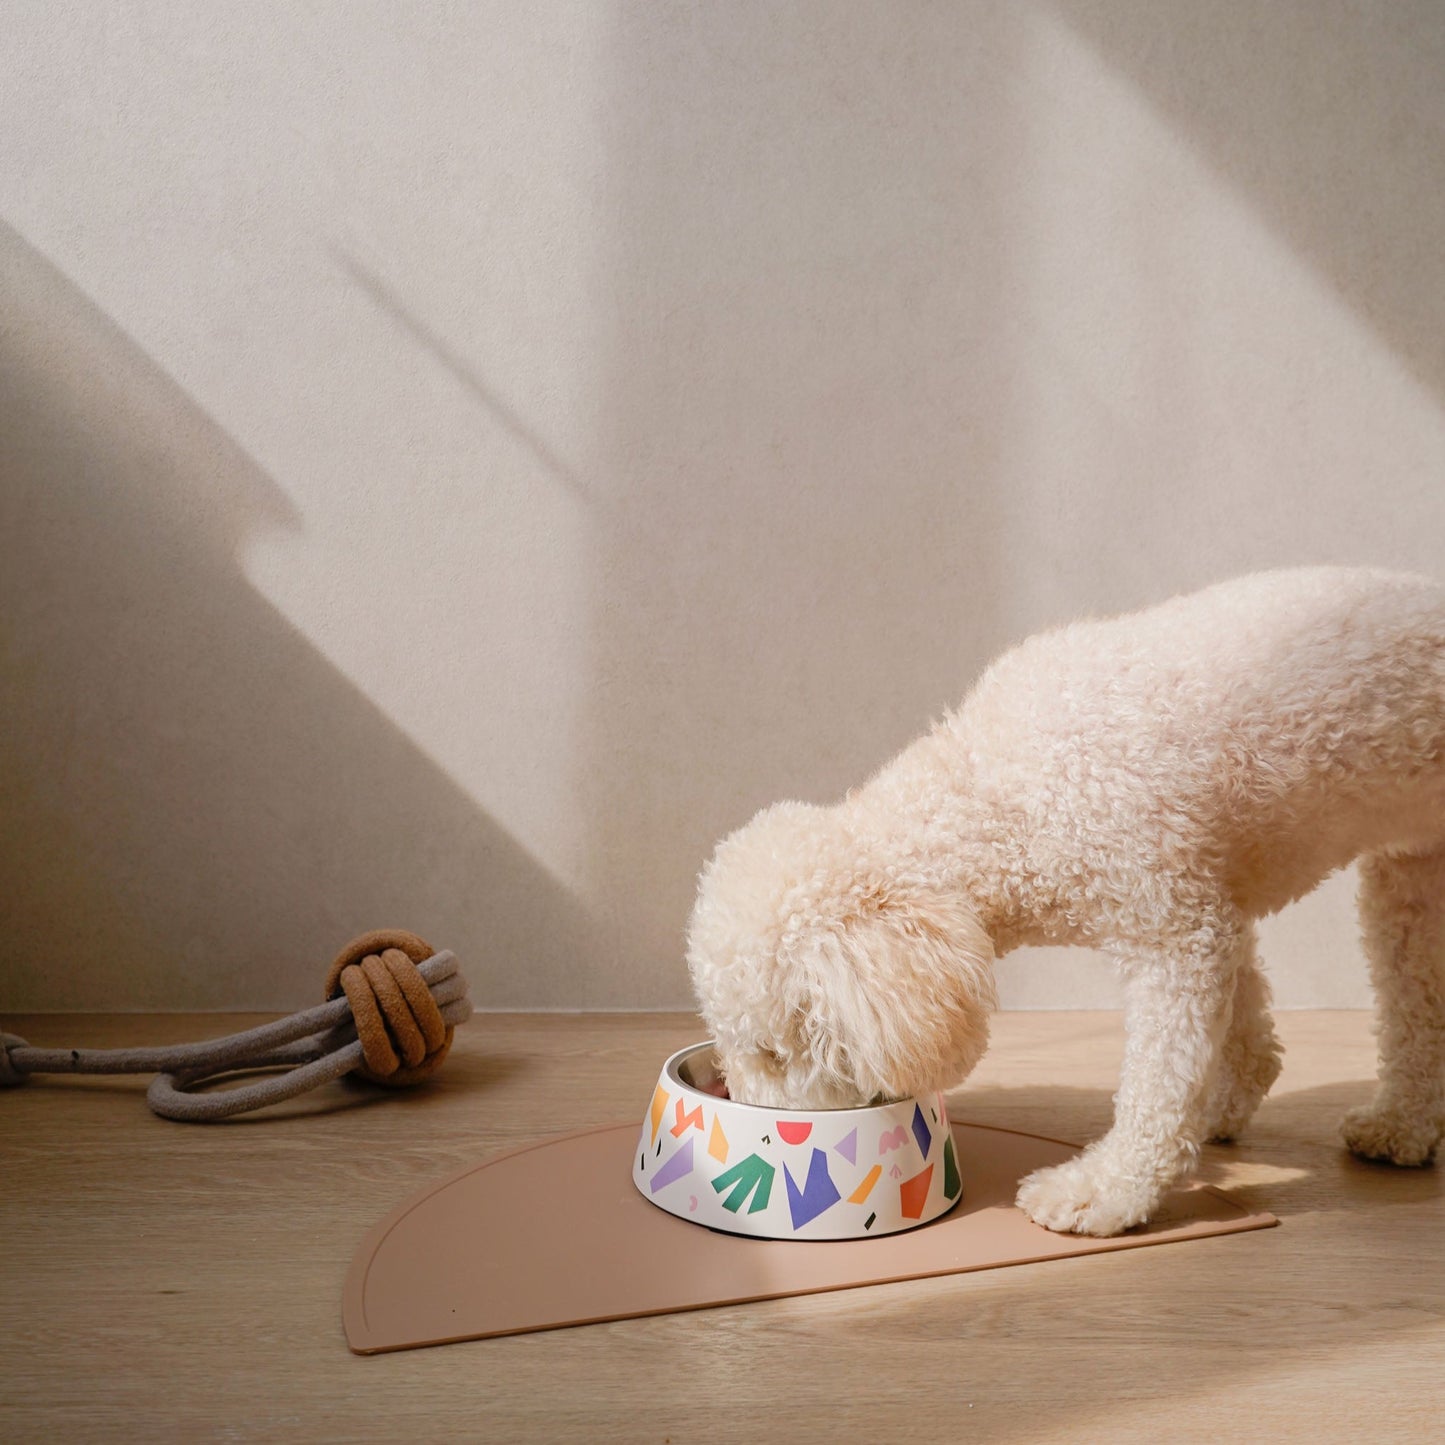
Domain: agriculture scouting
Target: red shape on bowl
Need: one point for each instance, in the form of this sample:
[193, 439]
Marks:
[914, 1193]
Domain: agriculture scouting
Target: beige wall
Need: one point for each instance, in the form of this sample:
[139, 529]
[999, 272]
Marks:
[456, 461]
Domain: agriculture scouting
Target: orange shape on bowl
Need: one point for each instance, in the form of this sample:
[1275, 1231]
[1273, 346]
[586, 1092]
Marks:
[914, 1193]
[717, 1144]
[866, 1187]
[686, 1121]
[659, 1104]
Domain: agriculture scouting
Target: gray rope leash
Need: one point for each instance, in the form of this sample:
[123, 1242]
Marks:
[392, 1023]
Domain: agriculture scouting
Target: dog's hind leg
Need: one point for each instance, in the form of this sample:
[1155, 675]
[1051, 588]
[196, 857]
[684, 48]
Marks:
[1402, 914]
[1249, 1060]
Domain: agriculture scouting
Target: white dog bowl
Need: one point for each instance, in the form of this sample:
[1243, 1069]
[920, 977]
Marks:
[791, 1173]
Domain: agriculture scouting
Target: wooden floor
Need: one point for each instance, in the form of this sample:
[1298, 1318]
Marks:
[162, 1281]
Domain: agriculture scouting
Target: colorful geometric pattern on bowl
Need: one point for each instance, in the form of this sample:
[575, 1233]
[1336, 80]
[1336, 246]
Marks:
[791, 1173]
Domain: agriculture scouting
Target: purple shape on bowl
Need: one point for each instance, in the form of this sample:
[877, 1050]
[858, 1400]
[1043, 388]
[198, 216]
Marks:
[920, 1132]
[678, 1167]
[817, 1194]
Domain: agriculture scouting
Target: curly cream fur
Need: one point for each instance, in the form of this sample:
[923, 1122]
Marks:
[1148, 785]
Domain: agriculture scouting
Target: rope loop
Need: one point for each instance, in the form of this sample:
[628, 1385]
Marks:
[392, 1006]
[9, 1074]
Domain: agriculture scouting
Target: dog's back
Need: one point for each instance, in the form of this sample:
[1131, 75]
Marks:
[1282, 723]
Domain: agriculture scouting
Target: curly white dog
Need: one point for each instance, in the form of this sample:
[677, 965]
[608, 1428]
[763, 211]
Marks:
[1147, 785]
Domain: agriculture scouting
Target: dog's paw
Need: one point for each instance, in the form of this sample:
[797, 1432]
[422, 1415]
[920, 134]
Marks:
[1245, 1076]
[1390, 1136]
[1227, 1118]
[1083, 1197]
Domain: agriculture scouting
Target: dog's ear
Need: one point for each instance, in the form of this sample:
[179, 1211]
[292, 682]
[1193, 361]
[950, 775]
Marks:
[898, 993]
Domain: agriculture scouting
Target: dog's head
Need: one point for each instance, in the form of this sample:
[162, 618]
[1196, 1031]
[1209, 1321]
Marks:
[829, 979]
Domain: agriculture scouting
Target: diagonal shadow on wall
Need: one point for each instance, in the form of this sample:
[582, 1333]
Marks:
[196, 808]
[1327, 116]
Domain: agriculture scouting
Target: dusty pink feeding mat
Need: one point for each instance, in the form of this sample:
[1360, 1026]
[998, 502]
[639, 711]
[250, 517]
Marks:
[557, 1234]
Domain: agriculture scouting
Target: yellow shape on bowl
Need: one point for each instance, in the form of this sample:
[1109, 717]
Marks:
[866, 1187]
[717, 1145]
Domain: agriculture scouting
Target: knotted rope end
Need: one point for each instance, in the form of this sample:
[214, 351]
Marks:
[404, 1037]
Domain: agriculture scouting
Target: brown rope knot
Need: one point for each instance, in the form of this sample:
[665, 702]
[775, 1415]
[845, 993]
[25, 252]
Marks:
[402, 1032]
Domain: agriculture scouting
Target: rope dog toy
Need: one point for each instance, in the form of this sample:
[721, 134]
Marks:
[393, 1003]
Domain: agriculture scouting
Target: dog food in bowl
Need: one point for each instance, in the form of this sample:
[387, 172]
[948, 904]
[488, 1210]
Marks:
[791, 1173]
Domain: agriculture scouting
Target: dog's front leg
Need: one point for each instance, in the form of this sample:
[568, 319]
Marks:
[1177, 1007]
